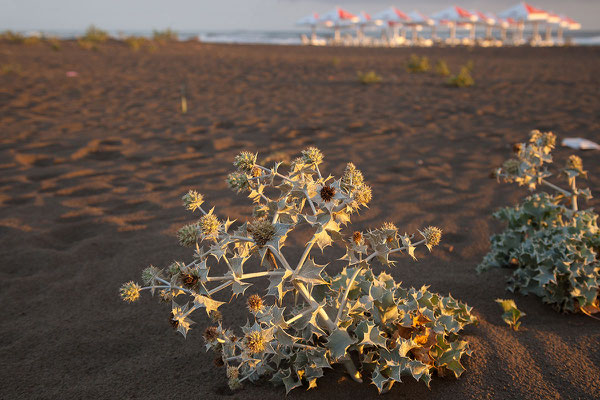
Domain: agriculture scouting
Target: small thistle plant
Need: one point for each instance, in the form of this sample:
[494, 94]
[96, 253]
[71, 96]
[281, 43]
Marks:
[441, 68]
[511, 314]
[308, 320]
[463, 79]
[551, 245]
[367, 78]
[418, 64]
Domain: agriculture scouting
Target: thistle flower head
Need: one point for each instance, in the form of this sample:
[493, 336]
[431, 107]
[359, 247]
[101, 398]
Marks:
[233, 372]
[192, 200]
[256, 172]
[357, 238]
[432, 235]
[262, 231]
[511, 166]
[255, 303]
[188, 235]
[254, 342]
[149, 274]
[233, 382]
[245, 161]
[189, 280]
[363, 195]
[388, 226]
[238, 181]
[327, 193]
[543, 139]
[130, 291]
[352, 177]
[209, 225]
[296, 162]
[211, 334]
[575, 163]
[312, 155]
[174, 268]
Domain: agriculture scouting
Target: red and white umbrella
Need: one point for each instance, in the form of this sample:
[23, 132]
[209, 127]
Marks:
[566, 23]
[571, 24]
[390, 16]
[336, 19]
[453, 16]
[311, 20]
[488, 20]
[363, 20]
[523, 13]
[551, 21]
[393, 18]
[417, 20]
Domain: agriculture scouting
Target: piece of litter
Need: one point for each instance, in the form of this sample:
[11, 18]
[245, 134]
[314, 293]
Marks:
[72, 74]
[580, 144]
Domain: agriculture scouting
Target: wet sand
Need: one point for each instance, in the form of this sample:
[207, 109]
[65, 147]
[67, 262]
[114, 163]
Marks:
[92, 169]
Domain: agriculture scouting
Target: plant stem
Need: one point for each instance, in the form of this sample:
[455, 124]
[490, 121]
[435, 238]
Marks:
[281, 258]
[312, 206]
[305, 254]
[220, 287]
[244, 276]
[574, 196]
[558, 189]
[345, 297]
[318, 171]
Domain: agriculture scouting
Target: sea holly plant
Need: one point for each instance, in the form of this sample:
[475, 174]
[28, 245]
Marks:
[511, 313]
[550, 244]
[307, 320]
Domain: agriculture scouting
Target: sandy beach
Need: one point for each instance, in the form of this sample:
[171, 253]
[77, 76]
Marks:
[93, 167]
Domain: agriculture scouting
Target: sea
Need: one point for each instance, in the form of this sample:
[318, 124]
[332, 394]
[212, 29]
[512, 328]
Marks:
[292, 37]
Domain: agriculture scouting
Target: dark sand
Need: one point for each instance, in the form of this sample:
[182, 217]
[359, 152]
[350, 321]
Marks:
[92, 170]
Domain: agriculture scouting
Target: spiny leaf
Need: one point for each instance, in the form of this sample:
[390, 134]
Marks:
[338, 342]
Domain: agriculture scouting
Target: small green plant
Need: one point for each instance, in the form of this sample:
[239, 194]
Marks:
[335, 61]
[463, 79]
[308, 320]
[32, 40]
[418, 64]
[54, 43]
[550, 244]
[164, 36]
[12, 37]
[367, 78]
[92, 38]
[441, 68]
[137, 43]
[511, 313]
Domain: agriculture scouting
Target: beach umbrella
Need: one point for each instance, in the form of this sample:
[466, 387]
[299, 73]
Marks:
[417, 20]
[504, 24]
[392, 17]
[566, 23]
[336, 19]
[364, 20]
[453, 16]
[488, 20]
[311, 20]
[552, 20]
[525, 13]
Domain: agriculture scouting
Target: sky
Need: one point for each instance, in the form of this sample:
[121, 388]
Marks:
[217, 15]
